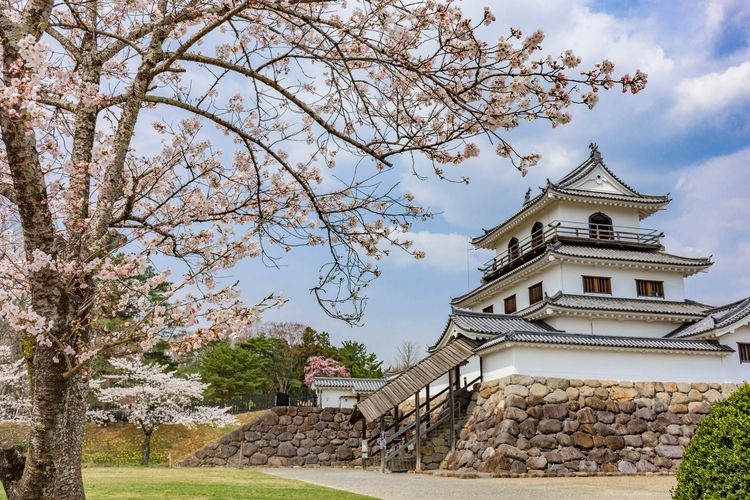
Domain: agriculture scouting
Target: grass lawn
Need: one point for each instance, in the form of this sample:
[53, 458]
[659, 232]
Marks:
[104, 483]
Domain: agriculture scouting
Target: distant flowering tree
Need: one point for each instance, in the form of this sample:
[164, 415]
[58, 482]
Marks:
[203, 132]
[318, 366]
[150, 397]
[14, 388]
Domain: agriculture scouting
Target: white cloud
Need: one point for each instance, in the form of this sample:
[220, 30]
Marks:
[709, 217]
[715, 14]
[713, 92]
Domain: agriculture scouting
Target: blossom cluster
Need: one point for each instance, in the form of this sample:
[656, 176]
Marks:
[149, 397]
[189, 136]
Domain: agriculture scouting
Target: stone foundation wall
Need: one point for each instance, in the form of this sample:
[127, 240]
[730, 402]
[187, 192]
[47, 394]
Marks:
[287, 436]
[547, 426]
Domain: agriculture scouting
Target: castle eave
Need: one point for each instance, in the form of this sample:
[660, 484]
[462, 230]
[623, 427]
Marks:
[561, 340]
[646, 206]
[615, 308]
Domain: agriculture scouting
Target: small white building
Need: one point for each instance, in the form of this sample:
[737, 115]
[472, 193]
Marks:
[579, 289]
[340, 392]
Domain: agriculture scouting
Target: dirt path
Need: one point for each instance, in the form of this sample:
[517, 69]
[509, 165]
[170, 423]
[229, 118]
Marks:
[423, 486]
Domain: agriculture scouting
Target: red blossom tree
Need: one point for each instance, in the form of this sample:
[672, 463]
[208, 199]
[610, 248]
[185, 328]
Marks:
[203, 132]
[318, 366]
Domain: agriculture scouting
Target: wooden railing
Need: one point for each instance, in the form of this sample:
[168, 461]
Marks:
[396, 442]
[580, 232]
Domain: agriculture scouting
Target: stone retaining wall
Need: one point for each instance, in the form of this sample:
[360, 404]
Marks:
[548, 426]
[287, 436]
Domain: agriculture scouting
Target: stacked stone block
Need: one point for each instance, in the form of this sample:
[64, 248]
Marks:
[287, 436]
[550, 426]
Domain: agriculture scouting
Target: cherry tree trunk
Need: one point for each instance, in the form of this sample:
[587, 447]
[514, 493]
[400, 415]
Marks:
[146, 447]
[53, 461]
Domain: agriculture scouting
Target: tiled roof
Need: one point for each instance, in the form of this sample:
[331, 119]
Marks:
[572, 339]
[582, 170]
[648, 256]
[487, 323]
[597, 252]
[640, 198]
[356, 384]
[562, 186]
[603, 303]
[717, 318]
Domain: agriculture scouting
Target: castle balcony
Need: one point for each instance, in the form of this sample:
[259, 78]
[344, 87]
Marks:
[604, 235]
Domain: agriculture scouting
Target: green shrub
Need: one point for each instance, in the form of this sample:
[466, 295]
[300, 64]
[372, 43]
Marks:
[716, 464]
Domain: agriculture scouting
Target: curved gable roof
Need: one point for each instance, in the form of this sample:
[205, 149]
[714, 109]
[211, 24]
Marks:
[484, 325]
[568, 186]
[718, 318]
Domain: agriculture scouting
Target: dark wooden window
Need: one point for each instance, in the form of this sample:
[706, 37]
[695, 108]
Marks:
[648, 288]
[535, 293]
[489, 309]
[600, 226]
[744, 352]
[510, 304]
[537, 235]
[597, 284]
[513, 251]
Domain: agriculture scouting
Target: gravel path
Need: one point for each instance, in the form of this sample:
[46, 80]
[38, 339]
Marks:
[424, 486]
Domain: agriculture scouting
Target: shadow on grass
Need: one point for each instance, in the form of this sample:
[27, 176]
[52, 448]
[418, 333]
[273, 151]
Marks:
[152, 483]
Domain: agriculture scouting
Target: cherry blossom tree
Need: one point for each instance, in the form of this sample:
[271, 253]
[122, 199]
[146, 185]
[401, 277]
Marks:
[319, 366]
[14, 388]
[150, 397]
[194, 133]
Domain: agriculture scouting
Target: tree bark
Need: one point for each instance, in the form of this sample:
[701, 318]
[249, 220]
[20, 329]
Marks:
[146, 447]
[68, 480]
[11, 467]
[53, 462]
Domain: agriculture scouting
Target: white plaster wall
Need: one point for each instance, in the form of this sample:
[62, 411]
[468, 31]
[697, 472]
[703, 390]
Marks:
[470, 370]
[499, 364]
[551, 284]
[623, 328]
[623, 281]
[610, 365]
[732, 366]
[567, 277]
[336, 398]
[523, 230]
[580, 212]
[570, 212]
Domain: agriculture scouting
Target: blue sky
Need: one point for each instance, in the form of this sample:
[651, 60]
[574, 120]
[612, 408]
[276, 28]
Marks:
[687, 134]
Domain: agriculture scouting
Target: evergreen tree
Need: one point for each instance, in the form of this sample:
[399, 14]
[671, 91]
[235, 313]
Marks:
[233, 372]
[362, 364]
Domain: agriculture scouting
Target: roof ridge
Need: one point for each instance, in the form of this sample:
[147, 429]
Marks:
[644, 251]
[351, 378]
[595, 159]
[633, 299]
[736, 309]
[593, 335]
[605, 341]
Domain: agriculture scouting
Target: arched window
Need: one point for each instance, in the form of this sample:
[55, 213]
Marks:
[537, 235]
[513, 251]
[600, 226]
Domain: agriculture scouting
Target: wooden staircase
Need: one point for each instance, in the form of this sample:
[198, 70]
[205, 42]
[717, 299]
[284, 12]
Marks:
[401, 445]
